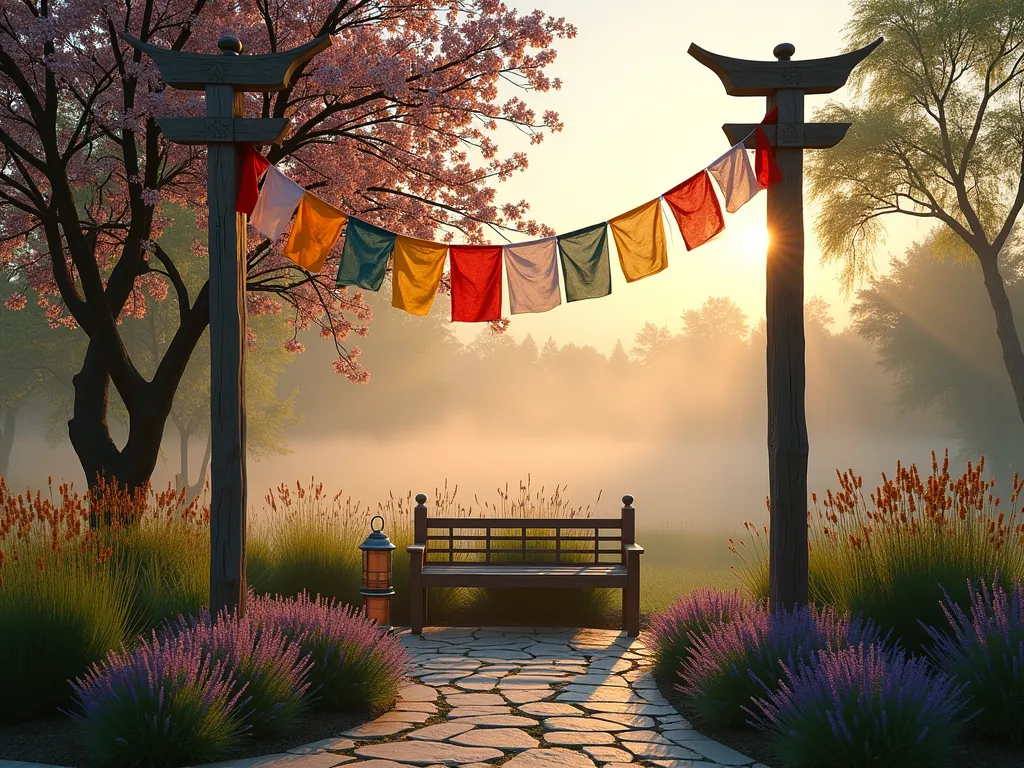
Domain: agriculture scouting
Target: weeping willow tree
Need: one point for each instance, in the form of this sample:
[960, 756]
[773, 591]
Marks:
[938, 133]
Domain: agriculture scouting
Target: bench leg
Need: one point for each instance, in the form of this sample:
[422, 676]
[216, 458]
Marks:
[631, 599]
[416, 610]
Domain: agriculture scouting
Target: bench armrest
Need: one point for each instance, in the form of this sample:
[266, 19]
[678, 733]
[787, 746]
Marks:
[414, 549]
[633, 548]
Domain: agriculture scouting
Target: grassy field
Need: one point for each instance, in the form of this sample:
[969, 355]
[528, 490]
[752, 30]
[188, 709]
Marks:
[677, 561]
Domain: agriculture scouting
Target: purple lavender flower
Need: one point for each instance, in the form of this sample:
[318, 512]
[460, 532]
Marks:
[727, 665]
[669, 634]
[161, 704]
[985, 651]
[355, 665]
[862, 707]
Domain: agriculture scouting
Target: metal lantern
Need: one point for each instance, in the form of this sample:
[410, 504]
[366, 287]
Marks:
[377, 587]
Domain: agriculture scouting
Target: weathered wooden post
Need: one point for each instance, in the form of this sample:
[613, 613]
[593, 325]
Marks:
[785, 83]
[225, 130]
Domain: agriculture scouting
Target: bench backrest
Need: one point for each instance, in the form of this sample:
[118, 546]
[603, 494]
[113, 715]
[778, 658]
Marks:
[512, 540]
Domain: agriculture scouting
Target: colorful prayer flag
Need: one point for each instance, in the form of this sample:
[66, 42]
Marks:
[640, 240]
[277, 202]
[586, 270]
[317, 228]
[532, 276]
[695, 207]
[416, 273]
[476, 283]
[253, 167]
[735, 177]
[364, 259]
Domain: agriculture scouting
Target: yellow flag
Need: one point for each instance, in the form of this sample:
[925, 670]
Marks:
[417, 271]
[640, 240]
[316, 229]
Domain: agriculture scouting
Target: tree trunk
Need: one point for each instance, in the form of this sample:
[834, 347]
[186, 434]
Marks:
[132, 466]
[1006, 329]
[7, 439]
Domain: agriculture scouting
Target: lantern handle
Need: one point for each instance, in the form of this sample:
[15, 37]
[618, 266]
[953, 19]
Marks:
[374, 520]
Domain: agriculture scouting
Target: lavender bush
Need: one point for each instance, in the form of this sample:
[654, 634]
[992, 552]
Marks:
[862, 707]
[669, 635]
[160, 705]
[355, 665]
[271, 670]
[730, 664]
[986, 652]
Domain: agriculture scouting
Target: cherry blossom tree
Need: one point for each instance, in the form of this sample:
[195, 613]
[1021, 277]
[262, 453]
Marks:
[395, 122]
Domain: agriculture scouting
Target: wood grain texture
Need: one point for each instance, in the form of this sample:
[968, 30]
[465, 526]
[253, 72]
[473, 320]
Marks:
[809, 136]
[201, 130]
[787, 424]
[227, 364]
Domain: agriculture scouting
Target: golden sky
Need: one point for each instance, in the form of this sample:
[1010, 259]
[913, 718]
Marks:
[640, 116]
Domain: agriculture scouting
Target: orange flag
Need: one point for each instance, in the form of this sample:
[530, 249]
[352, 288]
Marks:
[316, 229]
[417, 271]
[640, 241]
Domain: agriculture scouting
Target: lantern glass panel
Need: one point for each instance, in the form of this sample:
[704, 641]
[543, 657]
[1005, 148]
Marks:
[377, 569]
[378, 609]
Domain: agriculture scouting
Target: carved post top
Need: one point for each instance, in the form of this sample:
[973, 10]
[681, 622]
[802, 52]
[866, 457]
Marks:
[744, 77]
[194, 71]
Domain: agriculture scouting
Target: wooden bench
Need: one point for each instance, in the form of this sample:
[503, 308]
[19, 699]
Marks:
[526, 552]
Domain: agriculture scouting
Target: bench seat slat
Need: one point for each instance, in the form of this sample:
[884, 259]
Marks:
[523, 575]
[503, 537]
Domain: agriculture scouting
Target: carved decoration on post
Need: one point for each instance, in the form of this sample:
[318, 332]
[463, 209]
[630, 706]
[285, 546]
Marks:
[225, 130]
[785, 83]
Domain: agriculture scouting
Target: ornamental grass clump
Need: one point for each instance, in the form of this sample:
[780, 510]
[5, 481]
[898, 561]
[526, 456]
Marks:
[894, 556]
[732, 663]
[985, 651]
[160, 705]
[671, 632]
[862, 707]
[355, 666]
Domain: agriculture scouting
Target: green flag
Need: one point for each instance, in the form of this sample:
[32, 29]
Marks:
[364, 259]
[585, 264]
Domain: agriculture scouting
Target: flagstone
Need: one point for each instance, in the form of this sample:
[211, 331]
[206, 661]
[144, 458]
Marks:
[527, 695]
[612, 664]
[721, 754]
[600, 681]
[478, 682]
[685, 734]
[603, 694]
[498, 655]
[512, 739]
[608, 754]
[472, 711]
[633, 721]
[550, 709]
[443, 678]
[529, 682]
[440, 731]
[281, 760]
[475, 700]
[500, 721]
[404, 716]
[652, 736]
[649, 750]
[625, 708]
[581, 724]
[417, 693]
[579, 738]
[415, 706]
[324, 745]
[550, 758]
[377, 730]
[429, 752]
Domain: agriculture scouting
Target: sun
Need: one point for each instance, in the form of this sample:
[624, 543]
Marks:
[755, 242]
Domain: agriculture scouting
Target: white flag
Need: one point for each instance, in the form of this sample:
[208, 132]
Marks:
[736, 178]
[277, 202]
[532, 270]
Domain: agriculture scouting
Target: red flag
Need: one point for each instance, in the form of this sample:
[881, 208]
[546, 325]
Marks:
[696, 210]
[768, 172]
[254, 165]
[476, 283]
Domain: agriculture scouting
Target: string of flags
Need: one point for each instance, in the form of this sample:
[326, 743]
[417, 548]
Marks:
[536, 272]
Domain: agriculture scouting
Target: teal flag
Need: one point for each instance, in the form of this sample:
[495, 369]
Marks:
[585, 264]
[364, 259]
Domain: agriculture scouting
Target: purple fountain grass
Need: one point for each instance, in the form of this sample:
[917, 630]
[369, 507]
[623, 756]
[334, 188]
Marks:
[985, 650]
[161, 704]
[355, 665]
[861, 707]
[726, 666]
[670, 633]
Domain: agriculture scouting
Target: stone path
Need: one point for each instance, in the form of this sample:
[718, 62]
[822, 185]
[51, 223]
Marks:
[520, 698]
